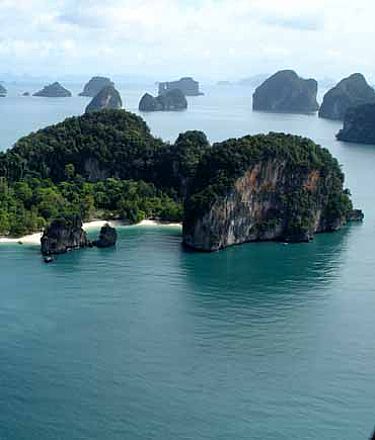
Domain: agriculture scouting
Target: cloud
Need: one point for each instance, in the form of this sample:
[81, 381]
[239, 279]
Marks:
[209, 38]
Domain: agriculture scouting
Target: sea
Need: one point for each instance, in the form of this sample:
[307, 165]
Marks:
[149, 341]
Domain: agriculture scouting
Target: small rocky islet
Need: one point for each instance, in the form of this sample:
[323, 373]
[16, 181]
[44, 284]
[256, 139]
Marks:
[284, 92]
[171, 100]
[350, 92]
[3, 91]
[66, 234]
[54, 90]
[257, 188]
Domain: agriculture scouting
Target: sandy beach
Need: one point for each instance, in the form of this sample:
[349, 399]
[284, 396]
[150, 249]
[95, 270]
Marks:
[34, 239]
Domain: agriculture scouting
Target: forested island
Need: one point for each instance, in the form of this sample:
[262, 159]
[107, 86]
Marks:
[106, 164]
[55, 90]
[350, 92]
[285, 91]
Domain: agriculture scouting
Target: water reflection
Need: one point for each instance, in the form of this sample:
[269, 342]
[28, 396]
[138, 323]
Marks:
[259, 274]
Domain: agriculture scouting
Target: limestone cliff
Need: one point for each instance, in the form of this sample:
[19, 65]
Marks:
[286, 92]
[63, 235]
[359, 125]
[274, 187]
[350, 92]
[107, 98]
[95, 85]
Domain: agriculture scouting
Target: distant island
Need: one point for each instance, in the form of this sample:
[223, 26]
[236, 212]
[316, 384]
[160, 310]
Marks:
[187, 85]
[286, 92]
[171, 100]
[55, 90]
[359, 125]
[107, 98]
[106, 164]
[3, 91]
[95, 85]
[350, 92]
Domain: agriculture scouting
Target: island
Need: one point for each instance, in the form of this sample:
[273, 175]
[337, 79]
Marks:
[3, 91]
[285, 91]
[267, 187]
[187, 85]
[350, 92]
[55, 90]
[171, 100]
[107, 98]
[95, 85]
[359, 125]
[107, 165]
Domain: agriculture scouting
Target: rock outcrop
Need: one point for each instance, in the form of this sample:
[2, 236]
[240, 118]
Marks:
[356, 215]
[286, 92]
[26, 94]
[172, 100]
[187, 85]
[107, 98]
[359, 125]
[95, 85]
[265, 187]
[107, 237]
[55, 90]
[350, 92]
[63, 235]
[3, 91]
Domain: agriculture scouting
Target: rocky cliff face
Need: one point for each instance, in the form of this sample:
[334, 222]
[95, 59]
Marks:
[107, 98]
[95, 85]
[63, 235]
[266, 193]
[55, 90]
[172, 100]
[350, 92]
[359, 125]
[286, 92]
[187, 85]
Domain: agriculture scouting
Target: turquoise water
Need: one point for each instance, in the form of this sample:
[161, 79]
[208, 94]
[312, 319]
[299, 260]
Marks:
[261, 341]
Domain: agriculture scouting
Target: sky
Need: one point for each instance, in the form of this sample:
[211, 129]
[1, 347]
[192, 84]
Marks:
[210, 39]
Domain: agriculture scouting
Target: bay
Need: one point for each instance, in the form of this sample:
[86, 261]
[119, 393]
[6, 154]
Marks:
[261, 341]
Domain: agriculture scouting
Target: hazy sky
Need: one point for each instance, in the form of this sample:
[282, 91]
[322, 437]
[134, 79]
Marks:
[216, 39]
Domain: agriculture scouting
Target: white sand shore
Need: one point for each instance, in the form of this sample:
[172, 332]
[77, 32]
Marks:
[34, 239]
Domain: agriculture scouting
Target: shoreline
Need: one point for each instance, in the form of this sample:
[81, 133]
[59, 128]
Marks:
[34, 239]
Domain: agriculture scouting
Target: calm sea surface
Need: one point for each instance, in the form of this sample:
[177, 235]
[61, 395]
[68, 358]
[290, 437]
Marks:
[147, 341]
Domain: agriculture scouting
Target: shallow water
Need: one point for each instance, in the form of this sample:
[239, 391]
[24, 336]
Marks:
[261, 341]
